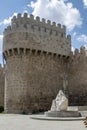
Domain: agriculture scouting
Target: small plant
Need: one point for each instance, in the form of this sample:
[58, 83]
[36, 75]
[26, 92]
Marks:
[1, 109]
[85, 122]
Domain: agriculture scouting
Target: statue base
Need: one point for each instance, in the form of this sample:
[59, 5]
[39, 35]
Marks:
[62, 114]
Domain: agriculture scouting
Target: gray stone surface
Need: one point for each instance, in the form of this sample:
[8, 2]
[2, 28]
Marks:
[44, 117]
[23, 122]
[62, 114]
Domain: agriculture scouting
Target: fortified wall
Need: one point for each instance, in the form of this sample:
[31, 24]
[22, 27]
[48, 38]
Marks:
[77, 71]
[38, 64]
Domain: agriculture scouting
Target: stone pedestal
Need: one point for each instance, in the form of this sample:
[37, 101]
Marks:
[62, 114]
[59, 107]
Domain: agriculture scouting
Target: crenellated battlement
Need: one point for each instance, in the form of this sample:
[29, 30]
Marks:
[81, 52]
[26, 22]
[27, 31]
[79, 55]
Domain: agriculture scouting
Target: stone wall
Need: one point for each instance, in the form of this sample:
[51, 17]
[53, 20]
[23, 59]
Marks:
[78, 77]
[32, 80]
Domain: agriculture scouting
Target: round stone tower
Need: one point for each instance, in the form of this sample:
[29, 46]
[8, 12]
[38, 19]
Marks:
[36, 54]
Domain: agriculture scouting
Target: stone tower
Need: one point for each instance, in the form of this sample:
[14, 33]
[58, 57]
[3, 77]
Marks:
[36, 53]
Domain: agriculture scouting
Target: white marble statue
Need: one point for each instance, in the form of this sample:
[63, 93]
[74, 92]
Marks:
[60, 103]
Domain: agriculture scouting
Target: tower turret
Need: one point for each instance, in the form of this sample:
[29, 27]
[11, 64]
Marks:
[33, 49]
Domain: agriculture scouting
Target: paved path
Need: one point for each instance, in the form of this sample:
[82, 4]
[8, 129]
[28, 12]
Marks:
[24, 122]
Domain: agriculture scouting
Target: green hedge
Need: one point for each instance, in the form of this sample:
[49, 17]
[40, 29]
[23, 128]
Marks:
[1, 109]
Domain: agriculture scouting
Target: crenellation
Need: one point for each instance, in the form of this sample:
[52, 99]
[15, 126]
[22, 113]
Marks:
[69, 41]
[82, 50]
[25, 15]
[13, 20]
[59, 25]
[9, 28]
[76, 52]
[54, 24]
[30, 20]
[69, 37]
[78, 55]
[32, 17]
[38, 19]
[64, 30]
[19, 20]
[19, 16]
[64, 27]
[25, 21]
[43, 21]
[49, 22]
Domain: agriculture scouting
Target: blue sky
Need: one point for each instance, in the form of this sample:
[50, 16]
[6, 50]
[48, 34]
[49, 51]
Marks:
[72, 13]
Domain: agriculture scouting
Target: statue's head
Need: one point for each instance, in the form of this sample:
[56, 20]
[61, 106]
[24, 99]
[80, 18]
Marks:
[61, 93]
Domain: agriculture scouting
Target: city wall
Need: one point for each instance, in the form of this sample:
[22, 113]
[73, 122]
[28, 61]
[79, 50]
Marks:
[77, 72]
[33, 79]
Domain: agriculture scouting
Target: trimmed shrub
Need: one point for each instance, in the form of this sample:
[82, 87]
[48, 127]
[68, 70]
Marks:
[1, 109]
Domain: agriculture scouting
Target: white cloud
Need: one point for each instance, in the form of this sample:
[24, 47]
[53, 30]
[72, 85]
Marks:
[1, 41]
[82, 38]
[7, 20]
[74, 34]
[1, 36]
[59, 11]
[72, 48]
[85, 3]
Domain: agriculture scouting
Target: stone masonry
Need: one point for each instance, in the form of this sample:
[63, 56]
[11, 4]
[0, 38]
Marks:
[39, 63]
